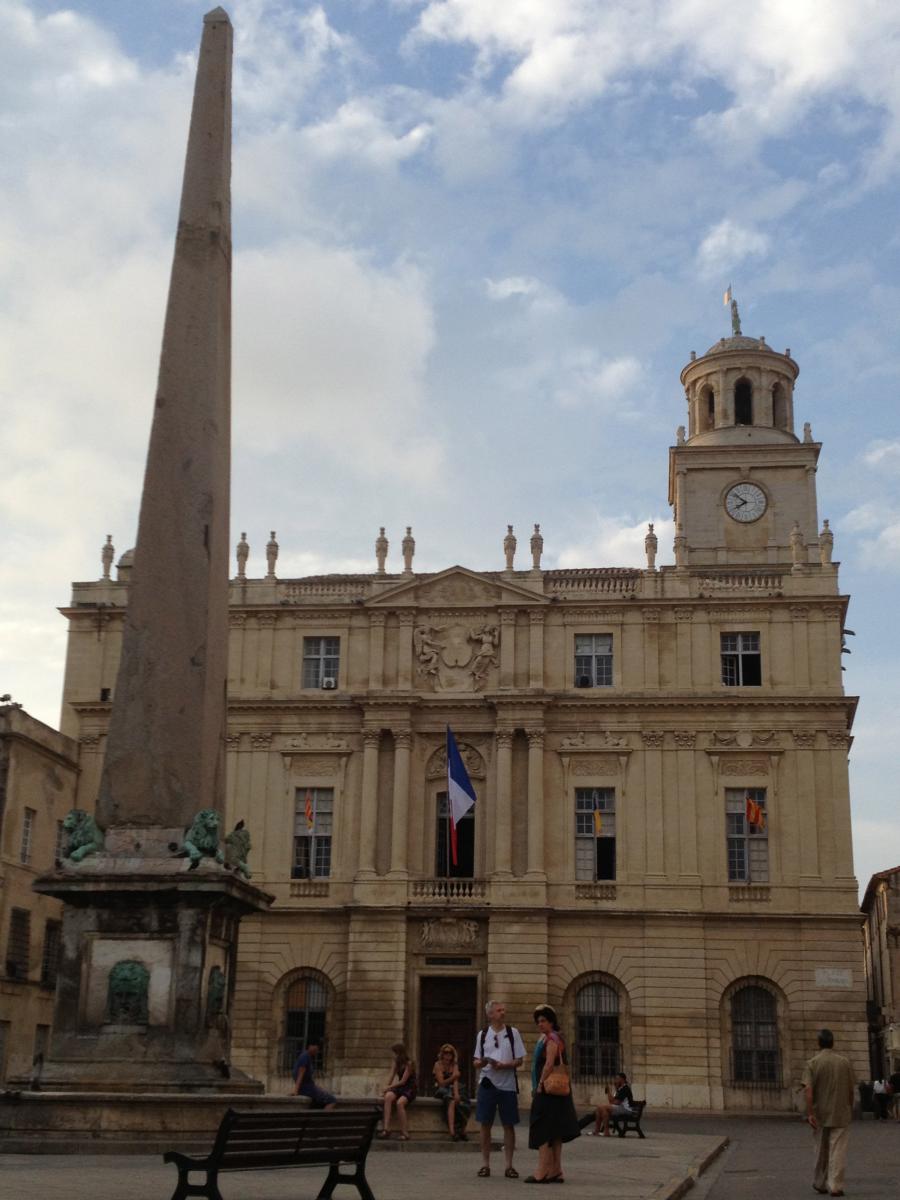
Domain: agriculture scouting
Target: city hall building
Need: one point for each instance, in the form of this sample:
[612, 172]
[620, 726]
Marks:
[661, 843]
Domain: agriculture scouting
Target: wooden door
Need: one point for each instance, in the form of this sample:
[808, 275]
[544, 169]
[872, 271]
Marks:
[447, 1014]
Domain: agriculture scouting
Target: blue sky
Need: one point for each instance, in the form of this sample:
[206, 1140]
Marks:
[474, 245]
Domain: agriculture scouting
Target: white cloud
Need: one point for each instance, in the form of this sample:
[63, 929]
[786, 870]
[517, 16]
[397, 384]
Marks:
[513, 285]
[727, 245]
[586, 379]
[617, 542]
[883, 454]
[359, 130]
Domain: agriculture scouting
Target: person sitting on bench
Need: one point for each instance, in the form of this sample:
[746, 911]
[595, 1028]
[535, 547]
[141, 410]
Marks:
[619, 1105]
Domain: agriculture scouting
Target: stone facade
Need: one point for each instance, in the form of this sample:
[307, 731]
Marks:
[38, 773]
[881, 934]
[615, 723]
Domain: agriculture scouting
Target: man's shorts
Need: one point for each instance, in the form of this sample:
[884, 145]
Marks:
[317, 1096]
[621, 1110]
[490, 1100]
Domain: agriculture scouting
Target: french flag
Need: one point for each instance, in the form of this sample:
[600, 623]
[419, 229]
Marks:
[460, 792]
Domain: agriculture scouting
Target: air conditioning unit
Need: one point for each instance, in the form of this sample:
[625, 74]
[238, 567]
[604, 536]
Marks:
[329, 682]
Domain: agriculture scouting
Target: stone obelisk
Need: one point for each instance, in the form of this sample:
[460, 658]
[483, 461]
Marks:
[151, 911]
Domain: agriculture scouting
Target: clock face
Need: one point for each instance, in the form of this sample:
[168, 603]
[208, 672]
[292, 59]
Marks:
[745, 502]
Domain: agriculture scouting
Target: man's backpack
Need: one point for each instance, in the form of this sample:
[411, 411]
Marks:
[512, 1049]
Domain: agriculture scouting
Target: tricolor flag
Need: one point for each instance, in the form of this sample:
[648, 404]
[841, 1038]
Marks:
[755, 813]
[309, 811]
[460, 793]
[726, 299]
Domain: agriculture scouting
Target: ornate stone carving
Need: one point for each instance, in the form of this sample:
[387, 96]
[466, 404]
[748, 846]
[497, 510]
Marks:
[372, 737]
[266, 620]
[596, 764]
[799, 612]
[447, 653]
[237, 620]
[537, 548]
[535, 738]
[651, 545]
[317, 741]
[804, 739]
[89, 740]
[381, 551]
[598, 739]
[536, 616]
[504, 738]
[650, 615]
[684, 614]
[402, 739]
[427, 650]
[743, 766]
[679, 436]
[837, 739]
[271, 556]
[126, 993]
[457, 590]
[684, 739]
[765, 739]
[260, 741]
[509, 547]
[243, 553]
[377, 618]
[508, 616]
[232, 741]
[798, 546]
[832, 612]
[726, 738]
[680, 546]
[448, 933]
[652, 739]
[406, 618]
[437, 763]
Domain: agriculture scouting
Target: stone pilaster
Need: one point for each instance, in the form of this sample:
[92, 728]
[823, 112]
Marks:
[376, 650]
[400, 808]
[536, 649]
[507, 647]
[368, 819]
[503, 822]
[536, 802]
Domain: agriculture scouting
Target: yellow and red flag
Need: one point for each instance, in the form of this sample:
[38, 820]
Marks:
[598, 818]
[755, 813]
[309, 811]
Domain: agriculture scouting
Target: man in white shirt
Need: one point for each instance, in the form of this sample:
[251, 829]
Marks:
[499, 1050]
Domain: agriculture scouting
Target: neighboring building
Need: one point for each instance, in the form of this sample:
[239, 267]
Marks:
[618, 724]
[38, 777]
[881, 935]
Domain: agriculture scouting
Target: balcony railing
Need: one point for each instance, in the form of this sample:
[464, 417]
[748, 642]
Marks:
[595, 891]
[749, 893]
[451, 891]
[309, 887]
[593, 582]
[741, 581]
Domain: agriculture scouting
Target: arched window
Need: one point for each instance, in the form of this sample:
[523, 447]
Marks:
[754, 1038]
[779, 407]
[743, 402]
[707, 412]
[305, 1013]
[598, 1045]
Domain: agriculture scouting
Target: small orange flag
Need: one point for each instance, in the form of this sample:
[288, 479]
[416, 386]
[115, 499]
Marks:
[755, 814]
[309, 811]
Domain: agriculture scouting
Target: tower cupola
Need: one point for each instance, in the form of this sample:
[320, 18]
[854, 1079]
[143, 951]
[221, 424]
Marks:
[739, 391]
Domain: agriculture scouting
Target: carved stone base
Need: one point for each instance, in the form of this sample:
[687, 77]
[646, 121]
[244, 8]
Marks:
[146, 976]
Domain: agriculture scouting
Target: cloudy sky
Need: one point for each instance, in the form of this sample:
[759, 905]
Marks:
[474, 245]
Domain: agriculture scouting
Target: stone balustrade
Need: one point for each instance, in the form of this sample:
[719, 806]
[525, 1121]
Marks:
[457, 890]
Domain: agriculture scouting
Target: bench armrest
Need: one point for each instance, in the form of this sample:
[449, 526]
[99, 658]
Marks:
[184, 1162]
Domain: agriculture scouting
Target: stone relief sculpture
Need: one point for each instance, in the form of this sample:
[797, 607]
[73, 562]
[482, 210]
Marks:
[201, 840]
[446, 933]
[487, 639]
[237, 850]
[126, 993]
[83, 835]
[427, 650]
[437, 764]
[602, 739]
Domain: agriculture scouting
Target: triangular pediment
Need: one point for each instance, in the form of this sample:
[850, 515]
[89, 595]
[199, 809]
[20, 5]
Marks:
[457, 587]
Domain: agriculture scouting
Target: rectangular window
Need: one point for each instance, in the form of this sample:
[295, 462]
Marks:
[595, 833]
[444, 867]
[321, 660]
[313, 813]
[748, 845]
[741, 660]
[50, 957]
[18, 946]
[593, 660]
[28, 818]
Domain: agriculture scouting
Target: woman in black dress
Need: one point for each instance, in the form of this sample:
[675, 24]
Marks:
[553, 1119]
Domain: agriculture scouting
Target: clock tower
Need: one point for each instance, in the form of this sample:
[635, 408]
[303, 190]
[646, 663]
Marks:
[741, 483]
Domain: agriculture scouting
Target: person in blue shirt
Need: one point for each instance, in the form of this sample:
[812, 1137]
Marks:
[304, 1070]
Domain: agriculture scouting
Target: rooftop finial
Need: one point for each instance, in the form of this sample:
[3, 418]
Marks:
[727, 299]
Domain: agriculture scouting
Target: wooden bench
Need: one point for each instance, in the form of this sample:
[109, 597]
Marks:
[256, 1141]
[631, 1120]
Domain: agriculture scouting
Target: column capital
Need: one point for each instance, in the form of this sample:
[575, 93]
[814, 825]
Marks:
[535, 737]
[371, 737]
[406, 617]
[377, 616]
[402, 738]
[536, 616]
[507, 616]
[504, 738]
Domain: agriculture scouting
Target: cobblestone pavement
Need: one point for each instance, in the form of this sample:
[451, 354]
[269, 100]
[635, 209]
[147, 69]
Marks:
[596, 1168]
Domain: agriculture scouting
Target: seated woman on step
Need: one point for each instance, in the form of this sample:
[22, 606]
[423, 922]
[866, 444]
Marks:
[451, 1092]
[400, 1091]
